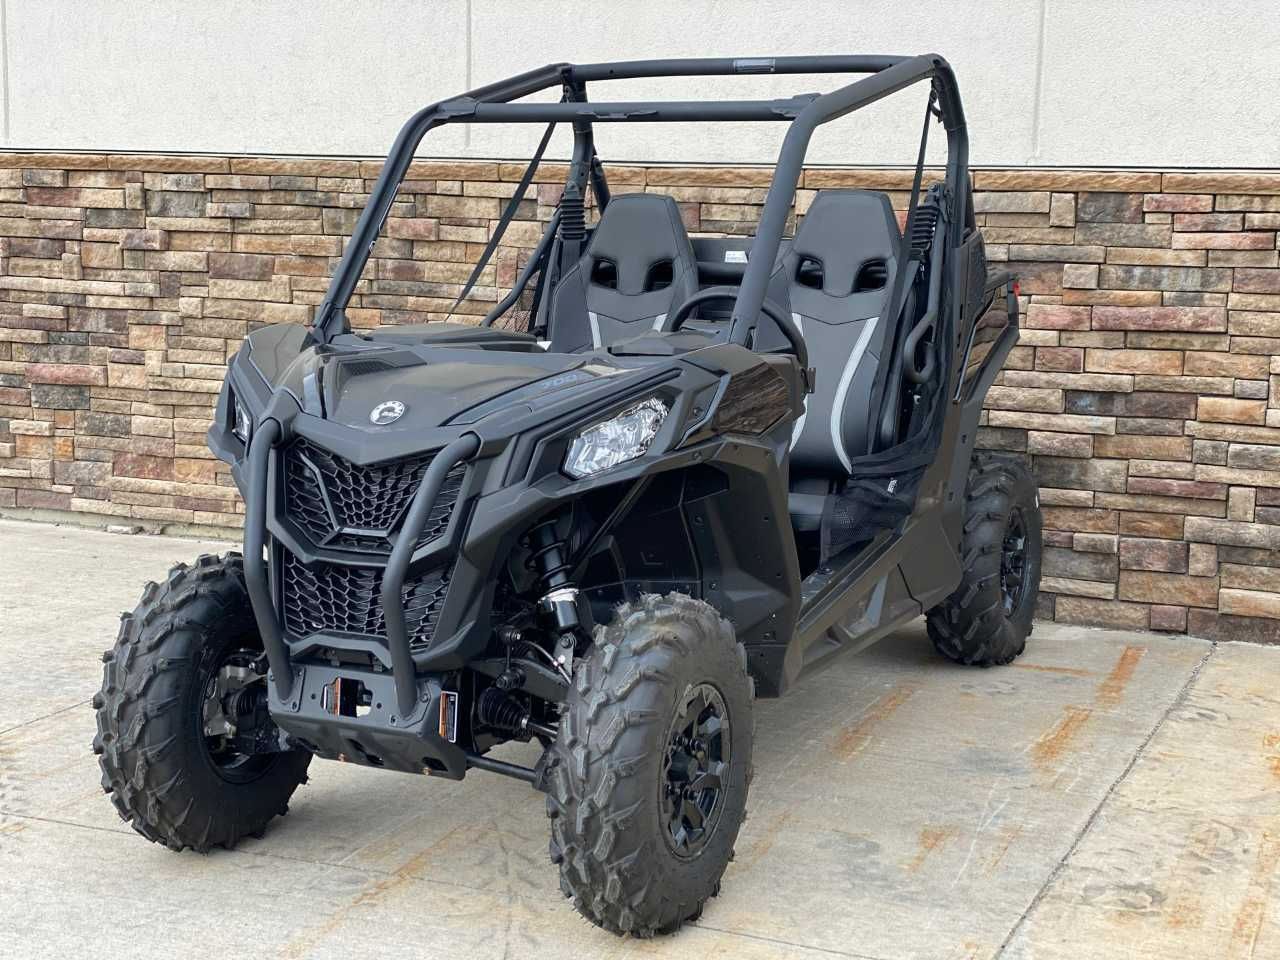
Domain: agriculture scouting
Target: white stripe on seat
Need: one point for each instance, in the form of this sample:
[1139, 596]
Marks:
[842, 391]
[799, 425]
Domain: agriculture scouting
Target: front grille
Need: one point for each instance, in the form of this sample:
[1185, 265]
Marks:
[341, 504]
[333, 598]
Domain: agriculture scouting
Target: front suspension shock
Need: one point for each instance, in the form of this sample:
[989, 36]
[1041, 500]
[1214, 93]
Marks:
[560, 600]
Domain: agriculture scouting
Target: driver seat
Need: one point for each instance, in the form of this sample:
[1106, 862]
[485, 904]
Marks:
[638, 267]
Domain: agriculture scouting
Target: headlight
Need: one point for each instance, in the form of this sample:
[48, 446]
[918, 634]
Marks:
[242, 427]
[616, 440]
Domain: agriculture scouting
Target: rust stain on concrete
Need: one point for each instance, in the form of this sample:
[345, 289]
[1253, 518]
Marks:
[1111, 690]
[1001, 847]
[931, 838]
[1253, 911]
[1186, 910]
[1049, 668]
[1056, 741]
[853, 739]
[767, 839]
[306, 941]
[1185, 913]
[1271, 742]
[968, 950]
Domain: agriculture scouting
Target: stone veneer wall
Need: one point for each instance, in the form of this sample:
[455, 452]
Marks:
[1145, 391]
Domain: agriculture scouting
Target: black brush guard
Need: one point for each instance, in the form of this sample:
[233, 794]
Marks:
[266, 440]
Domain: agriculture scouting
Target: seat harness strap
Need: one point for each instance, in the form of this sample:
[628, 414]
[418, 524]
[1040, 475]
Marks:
[507, 216]
[910, 257]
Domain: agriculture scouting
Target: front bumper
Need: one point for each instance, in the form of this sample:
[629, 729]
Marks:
[386, 736]
[403, 700]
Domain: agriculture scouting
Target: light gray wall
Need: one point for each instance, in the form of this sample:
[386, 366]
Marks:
[1169, 83]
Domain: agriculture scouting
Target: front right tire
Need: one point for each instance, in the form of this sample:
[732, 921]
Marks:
[647, 779]
[167, 777]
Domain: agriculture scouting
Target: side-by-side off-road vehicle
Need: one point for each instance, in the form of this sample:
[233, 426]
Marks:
[666, 474]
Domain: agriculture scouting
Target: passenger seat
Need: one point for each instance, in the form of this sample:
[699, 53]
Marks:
[638, 267]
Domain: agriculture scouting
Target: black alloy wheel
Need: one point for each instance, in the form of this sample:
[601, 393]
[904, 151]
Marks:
[698, 751]
[1013, 562]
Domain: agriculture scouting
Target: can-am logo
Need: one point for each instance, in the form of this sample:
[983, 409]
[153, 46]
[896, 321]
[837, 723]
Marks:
[389, 411]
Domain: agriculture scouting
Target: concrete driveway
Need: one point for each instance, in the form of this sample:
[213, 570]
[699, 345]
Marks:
[1109, 795]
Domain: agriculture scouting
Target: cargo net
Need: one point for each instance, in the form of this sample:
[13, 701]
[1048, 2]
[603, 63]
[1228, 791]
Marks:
[520, 316]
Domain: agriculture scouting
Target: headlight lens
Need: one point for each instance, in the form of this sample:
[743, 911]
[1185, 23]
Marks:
[243, 425]
[617, 440]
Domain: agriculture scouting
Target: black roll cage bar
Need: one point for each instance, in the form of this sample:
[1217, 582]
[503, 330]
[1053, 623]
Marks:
[804, 113]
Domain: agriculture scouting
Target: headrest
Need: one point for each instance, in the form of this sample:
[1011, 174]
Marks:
[844, 231]
[636, 232]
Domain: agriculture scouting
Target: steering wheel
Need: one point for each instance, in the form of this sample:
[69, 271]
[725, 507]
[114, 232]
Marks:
[770, 309]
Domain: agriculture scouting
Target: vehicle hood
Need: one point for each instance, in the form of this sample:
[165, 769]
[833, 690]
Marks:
[436, 386]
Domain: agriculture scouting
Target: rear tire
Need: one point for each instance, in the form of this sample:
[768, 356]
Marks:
[647, 780]
[988, 618]
[151, 743]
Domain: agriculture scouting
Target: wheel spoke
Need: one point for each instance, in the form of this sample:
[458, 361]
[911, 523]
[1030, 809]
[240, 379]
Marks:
[692, 814]
[709, 779]
[680, 835]
[694, 709]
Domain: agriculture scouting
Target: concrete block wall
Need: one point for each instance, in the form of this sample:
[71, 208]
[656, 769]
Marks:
[1145, 392]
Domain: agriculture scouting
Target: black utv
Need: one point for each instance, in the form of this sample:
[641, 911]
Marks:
[663, 476]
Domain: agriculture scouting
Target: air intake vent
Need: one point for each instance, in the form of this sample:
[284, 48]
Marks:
[333, 598]
[339, 504]
[358, 368]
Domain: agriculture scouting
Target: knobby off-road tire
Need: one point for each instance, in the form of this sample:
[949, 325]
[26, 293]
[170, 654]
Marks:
[988, 618]
[151, 745]
[659, 667]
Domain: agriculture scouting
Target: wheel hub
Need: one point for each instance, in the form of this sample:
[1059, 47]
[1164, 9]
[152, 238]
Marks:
[695, 767]
[1013, 562]
[228, 717]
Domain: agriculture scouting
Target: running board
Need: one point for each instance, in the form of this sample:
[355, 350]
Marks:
[837, 618]
[869, 622]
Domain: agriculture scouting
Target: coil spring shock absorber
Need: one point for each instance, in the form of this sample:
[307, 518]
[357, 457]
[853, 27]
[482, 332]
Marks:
[548, 558]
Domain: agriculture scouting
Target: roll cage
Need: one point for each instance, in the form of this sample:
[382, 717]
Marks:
[804, 113]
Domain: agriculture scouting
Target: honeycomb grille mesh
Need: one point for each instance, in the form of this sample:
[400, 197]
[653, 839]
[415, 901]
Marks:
[365, 503]
[334, 598]
[342, 505]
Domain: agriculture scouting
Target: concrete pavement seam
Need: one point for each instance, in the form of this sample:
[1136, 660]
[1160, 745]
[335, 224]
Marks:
[698, 924]
[27, 723]
[1061, 865]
